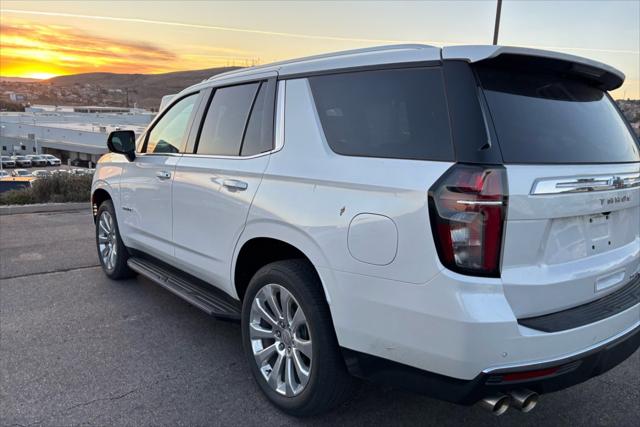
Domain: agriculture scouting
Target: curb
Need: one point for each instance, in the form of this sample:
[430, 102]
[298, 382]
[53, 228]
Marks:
[44, 207]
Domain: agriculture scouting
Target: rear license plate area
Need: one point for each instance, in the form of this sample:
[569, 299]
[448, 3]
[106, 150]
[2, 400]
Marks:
[598, 233]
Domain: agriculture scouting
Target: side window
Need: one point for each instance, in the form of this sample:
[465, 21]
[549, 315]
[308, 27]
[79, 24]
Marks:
[168, 133]
[258, 138]
[226, 119]
[385, 113]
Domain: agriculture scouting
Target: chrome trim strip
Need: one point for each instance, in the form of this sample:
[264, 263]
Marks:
[480, 202]
[158, 154]
[567, 357]
[217, 156]
[583, 184]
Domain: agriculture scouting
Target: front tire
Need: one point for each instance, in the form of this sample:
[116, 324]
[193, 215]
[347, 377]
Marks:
[289, 340]
[113, 254]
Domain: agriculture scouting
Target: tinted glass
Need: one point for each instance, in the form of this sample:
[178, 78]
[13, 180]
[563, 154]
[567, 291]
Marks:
[544, 118]
[256, 138]
[386, 113]
[226, 119]
[168, 133]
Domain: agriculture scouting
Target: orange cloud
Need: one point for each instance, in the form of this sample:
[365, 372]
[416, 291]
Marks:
[45, 50]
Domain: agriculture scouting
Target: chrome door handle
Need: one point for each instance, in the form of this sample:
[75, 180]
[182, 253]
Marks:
[163, 175]
[235, 185]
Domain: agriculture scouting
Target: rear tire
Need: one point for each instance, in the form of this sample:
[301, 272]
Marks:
[112, 253]
[300, 326]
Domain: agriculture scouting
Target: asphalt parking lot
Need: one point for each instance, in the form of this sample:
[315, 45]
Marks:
[79, 349]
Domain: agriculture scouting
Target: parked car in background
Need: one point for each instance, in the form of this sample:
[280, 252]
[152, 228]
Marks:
[461, 221]
[4, 173]
[37, 160]
[22, 161]
[7, 162]
[20, 172]
[52, 160]
[41, 173]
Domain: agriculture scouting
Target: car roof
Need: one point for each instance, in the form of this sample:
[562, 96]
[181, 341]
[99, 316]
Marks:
[396, 54]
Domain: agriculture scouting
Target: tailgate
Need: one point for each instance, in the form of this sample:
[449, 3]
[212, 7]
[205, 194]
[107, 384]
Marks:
[572, 234]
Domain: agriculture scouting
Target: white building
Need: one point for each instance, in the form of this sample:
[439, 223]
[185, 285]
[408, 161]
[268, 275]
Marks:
[76, 134]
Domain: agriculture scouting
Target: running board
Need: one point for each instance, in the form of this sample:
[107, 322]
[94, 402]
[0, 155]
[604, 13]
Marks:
[202, 295]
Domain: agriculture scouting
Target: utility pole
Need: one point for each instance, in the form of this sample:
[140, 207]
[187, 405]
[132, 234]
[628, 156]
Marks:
[497, 27]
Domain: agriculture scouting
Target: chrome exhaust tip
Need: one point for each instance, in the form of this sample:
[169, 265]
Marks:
[524, 400]
[497, 404]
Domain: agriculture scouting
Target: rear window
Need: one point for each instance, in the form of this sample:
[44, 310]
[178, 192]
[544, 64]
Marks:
[398, 113]
[545, 118]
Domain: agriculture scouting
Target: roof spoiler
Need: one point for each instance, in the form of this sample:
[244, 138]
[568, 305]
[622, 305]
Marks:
[602, 75]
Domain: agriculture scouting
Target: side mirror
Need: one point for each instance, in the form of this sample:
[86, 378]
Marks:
[123, 142]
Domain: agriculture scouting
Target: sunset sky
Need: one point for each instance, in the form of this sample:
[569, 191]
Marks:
[42, 39]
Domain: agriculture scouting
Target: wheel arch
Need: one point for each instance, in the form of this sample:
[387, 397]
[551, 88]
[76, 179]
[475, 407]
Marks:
[264, 243]
[99, 194]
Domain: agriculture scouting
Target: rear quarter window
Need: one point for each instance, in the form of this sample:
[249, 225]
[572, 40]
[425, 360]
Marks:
[398, 113]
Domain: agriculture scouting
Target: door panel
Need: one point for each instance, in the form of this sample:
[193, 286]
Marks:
[146, 217]
[211, 200]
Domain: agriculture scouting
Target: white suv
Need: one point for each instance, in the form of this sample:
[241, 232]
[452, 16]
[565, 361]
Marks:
[463, 222]
[51, 160]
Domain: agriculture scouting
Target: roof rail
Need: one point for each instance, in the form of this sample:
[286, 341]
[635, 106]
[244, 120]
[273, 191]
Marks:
[326, 56]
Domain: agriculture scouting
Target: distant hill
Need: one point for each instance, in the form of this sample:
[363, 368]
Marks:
[145, 89]
[18, 79]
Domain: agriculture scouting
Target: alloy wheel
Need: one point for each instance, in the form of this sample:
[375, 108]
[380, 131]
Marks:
[107, 240]
[280, 340]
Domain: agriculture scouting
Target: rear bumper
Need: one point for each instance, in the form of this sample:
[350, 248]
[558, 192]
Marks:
[552, 376]
[600, 309]
[454, 325]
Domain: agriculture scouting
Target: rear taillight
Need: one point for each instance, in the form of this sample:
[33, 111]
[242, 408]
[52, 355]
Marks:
[467, 207]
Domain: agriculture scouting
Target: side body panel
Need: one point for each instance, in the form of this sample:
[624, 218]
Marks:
[310, 188]
[209, 212]
[107, 176]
